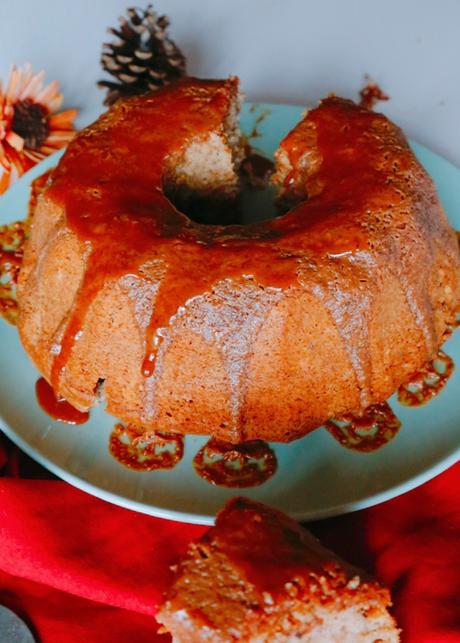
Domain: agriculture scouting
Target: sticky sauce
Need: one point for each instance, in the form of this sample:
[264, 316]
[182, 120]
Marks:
[248, 464]
[56, 407]
[145, 451]
[12, 239]
[272, 550]
[11, 244]
[377, 426]
[428, 382]
[114, 201]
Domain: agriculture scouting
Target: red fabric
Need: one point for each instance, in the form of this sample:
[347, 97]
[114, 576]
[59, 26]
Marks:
[79, 569]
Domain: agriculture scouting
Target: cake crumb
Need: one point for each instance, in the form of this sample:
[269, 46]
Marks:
[371, 94]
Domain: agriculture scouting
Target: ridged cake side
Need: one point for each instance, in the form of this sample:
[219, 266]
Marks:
[275, 326]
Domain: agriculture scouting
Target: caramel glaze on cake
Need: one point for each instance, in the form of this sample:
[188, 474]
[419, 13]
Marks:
[243, 332]
[257, 576]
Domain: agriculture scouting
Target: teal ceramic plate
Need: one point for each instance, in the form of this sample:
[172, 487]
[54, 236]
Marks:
[316, 476]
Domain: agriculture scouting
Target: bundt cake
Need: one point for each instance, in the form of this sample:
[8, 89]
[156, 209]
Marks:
[258, 576]
[264, 330]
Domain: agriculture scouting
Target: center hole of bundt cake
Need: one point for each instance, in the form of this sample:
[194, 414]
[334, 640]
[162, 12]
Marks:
[219, 179]
[241, 196]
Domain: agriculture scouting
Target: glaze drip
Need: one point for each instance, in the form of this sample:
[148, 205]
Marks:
[428, 382]
[56, 407]
[349, 304]
[248, 464]
[145, 451]
[12, 239]
[11, 242]
[368, 432]
[235, 329]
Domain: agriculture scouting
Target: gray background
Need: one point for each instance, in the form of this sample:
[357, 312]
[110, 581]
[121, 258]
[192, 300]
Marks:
[283, 50]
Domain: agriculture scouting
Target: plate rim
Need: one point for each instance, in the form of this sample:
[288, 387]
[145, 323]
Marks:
[201, 519]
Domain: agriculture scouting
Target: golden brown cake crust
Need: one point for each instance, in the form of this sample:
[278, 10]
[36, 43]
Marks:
[266, 330]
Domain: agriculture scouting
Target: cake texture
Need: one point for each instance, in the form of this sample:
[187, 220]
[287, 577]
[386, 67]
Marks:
[257, 576]
[265, 330]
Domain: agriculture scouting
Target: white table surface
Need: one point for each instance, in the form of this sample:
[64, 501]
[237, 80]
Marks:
[283, 50]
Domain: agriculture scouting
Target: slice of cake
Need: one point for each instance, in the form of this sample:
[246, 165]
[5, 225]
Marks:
[257, 576]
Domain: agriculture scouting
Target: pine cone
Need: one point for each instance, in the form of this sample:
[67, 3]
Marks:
[143, 58]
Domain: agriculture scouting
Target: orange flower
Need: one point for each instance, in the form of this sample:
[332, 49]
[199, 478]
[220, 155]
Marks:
[30, 127]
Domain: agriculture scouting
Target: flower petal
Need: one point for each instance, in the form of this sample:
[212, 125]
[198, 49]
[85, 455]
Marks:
[34, 155]
[15, 140]
[60, 136]
[4, 181]
[49, 94]
[32, 86]
[63, 120]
